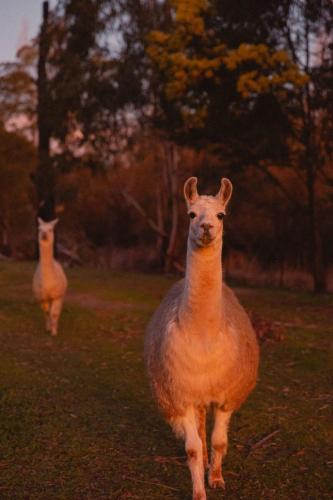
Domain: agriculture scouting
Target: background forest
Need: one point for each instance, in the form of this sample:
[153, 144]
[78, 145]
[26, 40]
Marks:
[116, 102]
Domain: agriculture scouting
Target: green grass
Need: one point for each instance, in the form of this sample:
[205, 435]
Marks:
[77, 420]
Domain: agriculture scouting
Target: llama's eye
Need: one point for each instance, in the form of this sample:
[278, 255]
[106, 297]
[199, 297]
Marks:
[220, 215]
[192, 215]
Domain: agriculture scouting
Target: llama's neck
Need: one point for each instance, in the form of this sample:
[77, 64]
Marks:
[200, 308]
[46, 258]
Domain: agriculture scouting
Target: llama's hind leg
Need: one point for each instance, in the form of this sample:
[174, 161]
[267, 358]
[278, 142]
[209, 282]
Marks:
[56, 307]
[219, 447]
[193, 448]
[45, 305]
[201, 415]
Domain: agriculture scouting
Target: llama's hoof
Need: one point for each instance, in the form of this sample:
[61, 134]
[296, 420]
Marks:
[216, 481]
[54, 334]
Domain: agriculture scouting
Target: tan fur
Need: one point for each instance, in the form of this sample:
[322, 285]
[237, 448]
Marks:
[200, 347]
[49, 281]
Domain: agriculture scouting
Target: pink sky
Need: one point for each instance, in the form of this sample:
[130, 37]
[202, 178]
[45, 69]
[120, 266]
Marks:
[19, 21]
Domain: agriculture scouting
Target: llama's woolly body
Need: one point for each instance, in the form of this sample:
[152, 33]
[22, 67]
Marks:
[49, 282]
[201, 369]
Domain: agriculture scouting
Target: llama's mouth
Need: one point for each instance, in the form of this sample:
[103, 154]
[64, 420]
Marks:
[206, 239]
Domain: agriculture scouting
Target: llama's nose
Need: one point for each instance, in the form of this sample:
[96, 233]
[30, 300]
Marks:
[206, 227]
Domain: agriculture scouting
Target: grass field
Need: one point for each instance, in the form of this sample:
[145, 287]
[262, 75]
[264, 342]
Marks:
[77, 420]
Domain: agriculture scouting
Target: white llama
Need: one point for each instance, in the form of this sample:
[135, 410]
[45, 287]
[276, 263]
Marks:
[200, 347]
[49, 282]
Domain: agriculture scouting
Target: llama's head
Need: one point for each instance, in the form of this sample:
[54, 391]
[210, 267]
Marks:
[46, 231]
[206, 212]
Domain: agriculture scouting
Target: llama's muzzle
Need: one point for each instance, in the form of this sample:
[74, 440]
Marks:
[206, 238]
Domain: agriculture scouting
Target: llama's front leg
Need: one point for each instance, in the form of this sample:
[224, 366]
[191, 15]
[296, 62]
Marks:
[202, 433]
[55, 311]
[45, 305]
[219, 447]
[193, 447]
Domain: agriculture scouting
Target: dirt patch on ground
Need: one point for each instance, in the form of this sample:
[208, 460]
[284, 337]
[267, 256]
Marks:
[93, 302]
[78, 298]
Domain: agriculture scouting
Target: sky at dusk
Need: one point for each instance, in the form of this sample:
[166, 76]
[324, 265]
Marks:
[19, 22]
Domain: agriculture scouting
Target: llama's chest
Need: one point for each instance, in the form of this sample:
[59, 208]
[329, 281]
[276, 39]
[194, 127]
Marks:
[200, 365]
[49, 285]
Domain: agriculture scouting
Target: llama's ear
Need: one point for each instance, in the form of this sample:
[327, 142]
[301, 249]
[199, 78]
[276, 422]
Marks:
[225, 191]
[190, 190]
[54, 223]
[40, 221]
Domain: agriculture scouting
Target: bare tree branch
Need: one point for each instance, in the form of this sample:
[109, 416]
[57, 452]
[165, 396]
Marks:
[280, 186]
[132, 201]
[152, 224]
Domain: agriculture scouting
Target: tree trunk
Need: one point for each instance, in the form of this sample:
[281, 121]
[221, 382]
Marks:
[315, 240]
[310, 160]
[281, 272]
[172, 162]
[5, 248]
[160, 223]
[316, 248]
[45, 176]
[160, 207]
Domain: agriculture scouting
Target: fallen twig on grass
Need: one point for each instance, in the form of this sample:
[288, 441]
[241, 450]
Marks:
[155, 483]
[161, 460]
[173, 460]
[262, 441]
